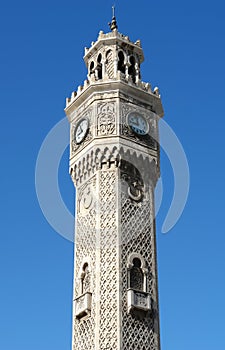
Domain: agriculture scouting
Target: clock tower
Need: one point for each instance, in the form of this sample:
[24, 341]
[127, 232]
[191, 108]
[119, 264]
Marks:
[114, 164]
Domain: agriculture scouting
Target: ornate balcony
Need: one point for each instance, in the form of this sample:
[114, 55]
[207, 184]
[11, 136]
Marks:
[138, 300]
[83, 305]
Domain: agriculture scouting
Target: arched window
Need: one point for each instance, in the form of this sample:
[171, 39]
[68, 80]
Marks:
[85, 279]
[136, 272]
[121, 64]
[138, 299]
[131, 69]
[84, 299]
[91, 68]
[99, 66]
[136, 275]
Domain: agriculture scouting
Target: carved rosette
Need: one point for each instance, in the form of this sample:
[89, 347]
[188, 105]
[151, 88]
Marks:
[106, 118]
[77, 147]
[149, 140]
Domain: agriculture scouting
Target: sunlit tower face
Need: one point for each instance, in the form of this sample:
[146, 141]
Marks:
[114, 164]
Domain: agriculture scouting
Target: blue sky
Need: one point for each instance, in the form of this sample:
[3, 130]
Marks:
[40, 65]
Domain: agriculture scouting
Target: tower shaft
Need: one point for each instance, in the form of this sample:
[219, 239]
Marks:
[114, 164]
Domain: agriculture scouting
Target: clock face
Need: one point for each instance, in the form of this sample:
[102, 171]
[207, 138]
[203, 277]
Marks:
[138, 123]
[81, 130]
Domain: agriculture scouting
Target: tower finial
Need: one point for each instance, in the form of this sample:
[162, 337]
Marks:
[113, 11]
[113, 24]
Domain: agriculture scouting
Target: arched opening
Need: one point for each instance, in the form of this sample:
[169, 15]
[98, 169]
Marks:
[138, 299]
[121, 65]
[85, 279]
[99, 58]
[83, 300]
[91, 68]
[136, 275]
[131, 69]
[99, 66]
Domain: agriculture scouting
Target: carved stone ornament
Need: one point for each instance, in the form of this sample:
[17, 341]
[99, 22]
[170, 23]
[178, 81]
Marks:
[85, 196]
[135, 191]
[133, 179]
[138, 300]
[106, 120]
[107, 157]
[83, 305]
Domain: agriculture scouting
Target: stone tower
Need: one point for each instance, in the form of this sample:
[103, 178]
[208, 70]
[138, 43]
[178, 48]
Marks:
[114, 164]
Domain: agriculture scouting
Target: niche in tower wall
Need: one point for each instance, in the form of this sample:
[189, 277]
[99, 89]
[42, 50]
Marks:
[83, 301]
[138, 299]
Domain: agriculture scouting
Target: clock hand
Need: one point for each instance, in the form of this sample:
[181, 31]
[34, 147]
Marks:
[79, 130]
[140, 122]
[135, 122]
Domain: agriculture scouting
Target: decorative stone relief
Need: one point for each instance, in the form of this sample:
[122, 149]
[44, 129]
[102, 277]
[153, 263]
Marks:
[135, 191]
[132, 177]
[106, 118]
[138, 301]
[109, 287]
[85, 168]
[83, 306]
[85, 196]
